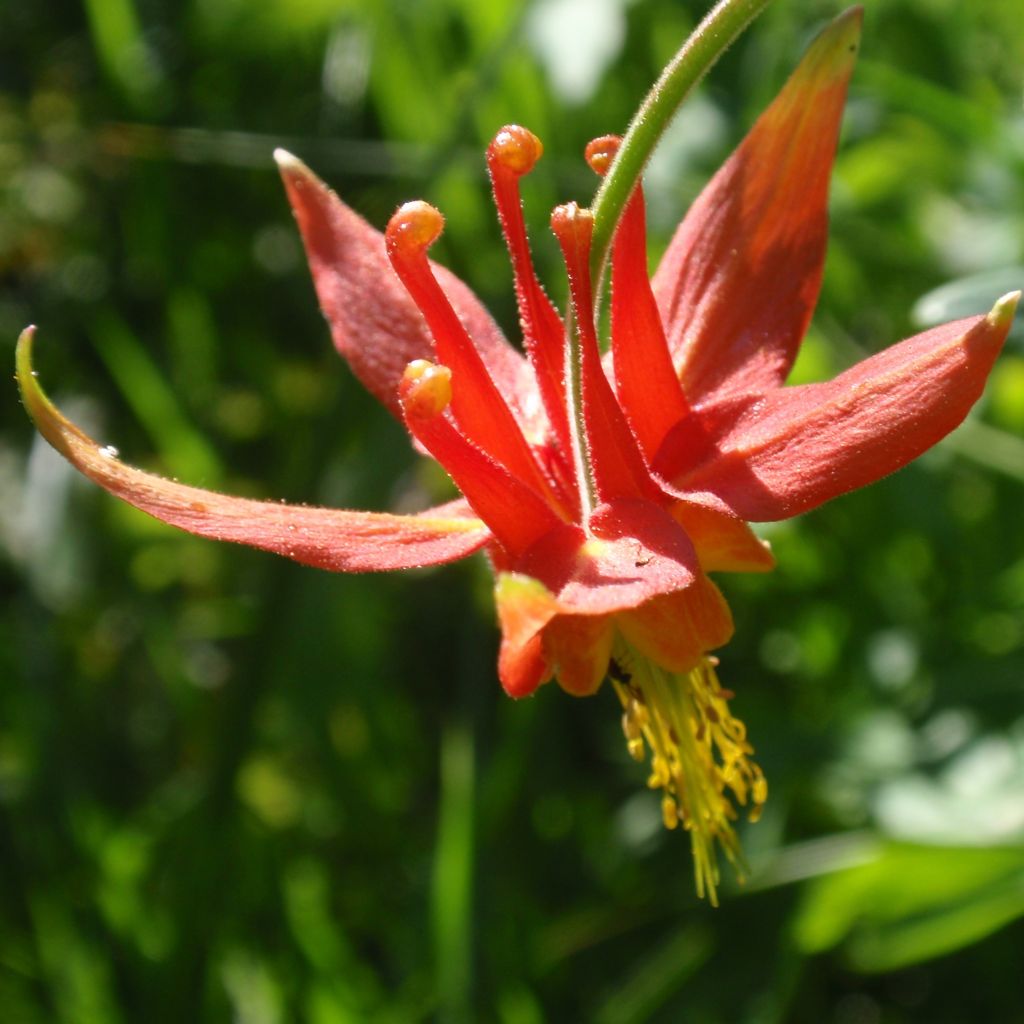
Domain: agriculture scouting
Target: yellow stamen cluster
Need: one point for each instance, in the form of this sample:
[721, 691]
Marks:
[699, 753]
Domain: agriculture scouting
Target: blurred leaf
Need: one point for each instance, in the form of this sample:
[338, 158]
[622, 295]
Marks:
[912, 903]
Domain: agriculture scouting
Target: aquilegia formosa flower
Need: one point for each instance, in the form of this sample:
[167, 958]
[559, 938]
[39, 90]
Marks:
[606, 489]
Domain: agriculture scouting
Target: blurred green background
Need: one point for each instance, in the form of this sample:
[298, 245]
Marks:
[233, 788]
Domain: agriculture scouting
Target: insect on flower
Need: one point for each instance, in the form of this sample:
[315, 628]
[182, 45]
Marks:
[606, 488]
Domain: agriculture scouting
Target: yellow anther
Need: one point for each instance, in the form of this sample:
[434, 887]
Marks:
[700, 758]
[669, 812]
[640, 714]
[660, 774]
[630, 729]
[634, 719]
[759, 791]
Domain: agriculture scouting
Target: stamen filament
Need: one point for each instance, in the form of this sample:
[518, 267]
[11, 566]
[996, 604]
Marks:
[699, 751]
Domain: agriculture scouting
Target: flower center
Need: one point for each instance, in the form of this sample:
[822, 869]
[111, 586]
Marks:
[699, 755]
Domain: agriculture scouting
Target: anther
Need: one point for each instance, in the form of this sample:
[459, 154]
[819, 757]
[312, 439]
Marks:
[516, 149]
[669, 812]
[601, 152]
[426, 389]
[759, 790]
[414, 227]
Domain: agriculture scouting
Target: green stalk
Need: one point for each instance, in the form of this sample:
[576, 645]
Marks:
[712, 37]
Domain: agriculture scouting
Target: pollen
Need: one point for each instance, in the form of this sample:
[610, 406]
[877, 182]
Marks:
[700, 756]
[516, 148]
[414, 226]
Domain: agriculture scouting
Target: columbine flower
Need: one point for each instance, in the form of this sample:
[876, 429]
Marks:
[605, 489]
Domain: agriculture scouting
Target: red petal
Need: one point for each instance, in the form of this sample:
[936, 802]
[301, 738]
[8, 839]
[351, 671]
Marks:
[477, 405]
[739, 281]
[645, 379]
[801, 446]
[724, 543]
[327, 538]
[578, 647]
[374, 323]
[525, 607]
[615, 459]
[637, 552]
[677, 630]
[516, 515]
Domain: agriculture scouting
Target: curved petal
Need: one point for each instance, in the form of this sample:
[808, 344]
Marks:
[724, 542]
[645, 378]
[333, 539]
[578, 648]
[677, 630]
[801, 446]
[525, 607]
[740, 279]
[375, 324]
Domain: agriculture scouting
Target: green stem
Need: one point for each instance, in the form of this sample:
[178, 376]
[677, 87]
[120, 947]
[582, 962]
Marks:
[710, 39]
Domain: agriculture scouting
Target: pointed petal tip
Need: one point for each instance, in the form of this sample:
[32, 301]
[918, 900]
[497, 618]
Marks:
[23, 360]
[853, 14]
[1003, 311]
[295, 172]
[23, 351]
[834, 51]
[288, 161]
[48, 419]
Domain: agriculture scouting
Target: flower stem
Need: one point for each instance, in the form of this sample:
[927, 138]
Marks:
[723, 23]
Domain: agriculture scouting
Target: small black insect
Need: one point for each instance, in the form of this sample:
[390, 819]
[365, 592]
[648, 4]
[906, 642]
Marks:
[617, 672]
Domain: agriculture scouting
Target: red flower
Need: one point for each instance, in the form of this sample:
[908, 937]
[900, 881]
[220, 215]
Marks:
[605, 489]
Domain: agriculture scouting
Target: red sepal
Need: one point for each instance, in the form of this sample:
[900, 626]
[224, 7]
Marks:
[798, 447]
[336, 539]
[374, 323]
[740, 279]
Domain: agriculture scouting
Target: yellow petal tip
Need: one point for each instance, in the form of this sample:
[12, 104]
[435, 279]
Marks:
[23, 368]
[835, 49]
[1004, 309]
